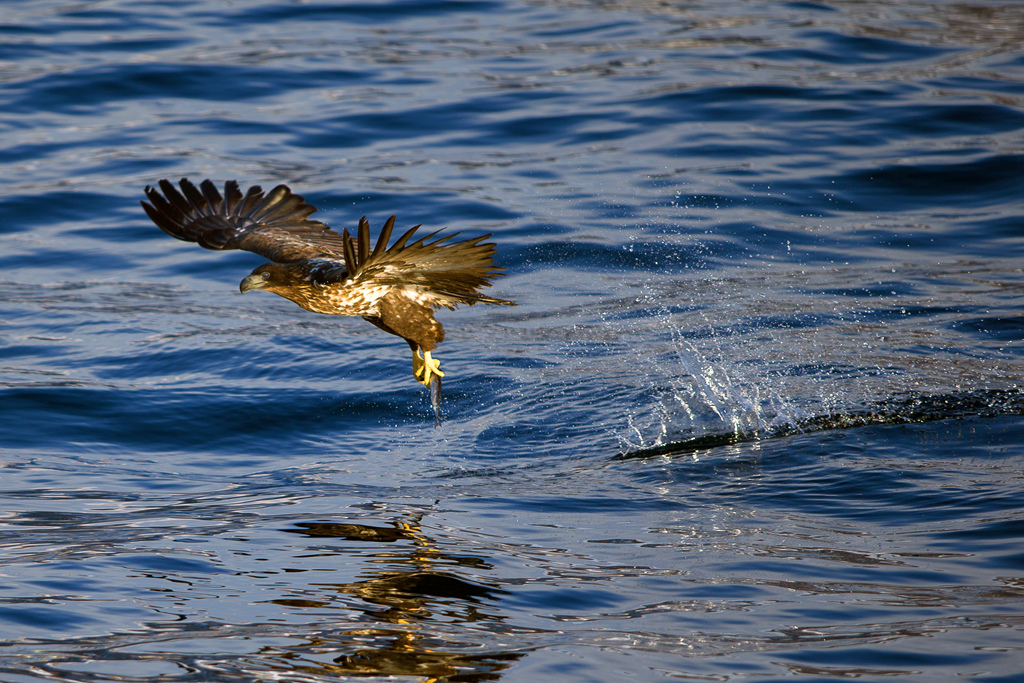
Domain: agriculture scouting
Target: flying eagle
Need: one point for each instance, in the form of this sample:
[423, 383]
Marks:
[396, 288]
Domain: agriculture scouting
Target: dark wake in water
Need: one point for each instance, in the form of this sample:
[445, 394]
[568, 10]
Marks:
[983, 404]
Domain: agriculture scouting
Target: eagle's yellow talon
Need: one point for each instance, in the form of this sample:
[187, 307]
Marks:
[423, 366]
[433, 364]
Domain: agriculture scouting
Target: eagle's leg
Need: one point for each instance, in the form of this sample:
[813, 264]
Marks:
[423, 366]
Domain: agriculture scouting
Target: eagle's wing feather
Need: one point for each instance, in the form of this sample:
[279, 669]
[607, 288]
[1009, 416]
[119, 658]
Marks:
[443, 274]
[385, 236]
[275, 225]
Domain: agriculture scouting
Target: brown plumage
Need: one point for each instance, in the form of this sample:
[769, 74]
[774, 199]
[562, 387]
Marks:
[396, 288]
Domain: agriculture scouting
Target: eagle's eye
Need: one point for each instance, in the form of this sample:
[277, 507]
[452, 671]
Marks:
[265, 275]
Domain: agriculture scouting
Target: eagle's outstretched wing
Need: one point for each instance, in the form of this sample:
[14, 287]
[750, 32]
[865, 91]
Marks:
[444, 274]
[275, 225]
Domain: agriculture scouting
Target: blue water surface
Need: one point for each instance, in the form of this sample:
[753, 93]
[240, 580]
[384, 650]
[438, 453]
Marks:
[758, 414]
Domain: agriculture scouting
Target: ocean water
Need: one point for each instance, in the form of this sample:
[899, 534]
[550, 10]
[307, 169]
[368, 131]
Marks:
[758, 415]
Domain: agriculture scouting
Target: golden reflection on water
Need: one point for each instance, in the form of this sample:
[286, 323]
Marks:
[396, 600]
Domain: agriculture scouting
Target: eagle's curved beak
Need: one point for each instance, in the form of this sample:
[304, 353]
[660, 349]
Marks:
[251, 282]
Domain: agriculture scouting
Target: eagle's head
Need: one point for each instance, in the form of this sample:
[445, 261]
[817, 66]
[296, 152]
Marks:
[273, 277]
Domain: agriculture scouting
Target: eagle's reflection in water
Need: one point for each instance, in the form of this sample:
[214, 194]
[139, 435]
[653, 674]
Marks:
[412, 608]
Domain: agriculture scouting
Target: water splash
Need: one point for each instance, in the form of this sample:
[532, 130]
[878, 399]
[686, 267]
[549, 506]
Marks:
[692, 398]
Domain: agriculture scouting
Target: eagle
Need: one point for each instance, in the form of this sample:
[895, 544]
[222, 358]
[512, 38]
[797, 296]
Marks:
[397, 287]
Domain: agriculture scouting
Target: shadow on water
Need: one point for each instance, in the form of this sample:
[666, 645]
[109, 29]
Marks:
[399, 604]
[900, 410]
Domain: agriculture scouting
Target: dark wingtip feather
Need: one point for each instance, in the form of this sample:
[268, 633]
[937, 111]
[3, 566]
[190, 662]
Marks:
[156, 217]
[404, 238]
[350, 254]
[193, 195]
[385, 235]
[363, 243]
[211, 194]
[253, 197]
[166, 216]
